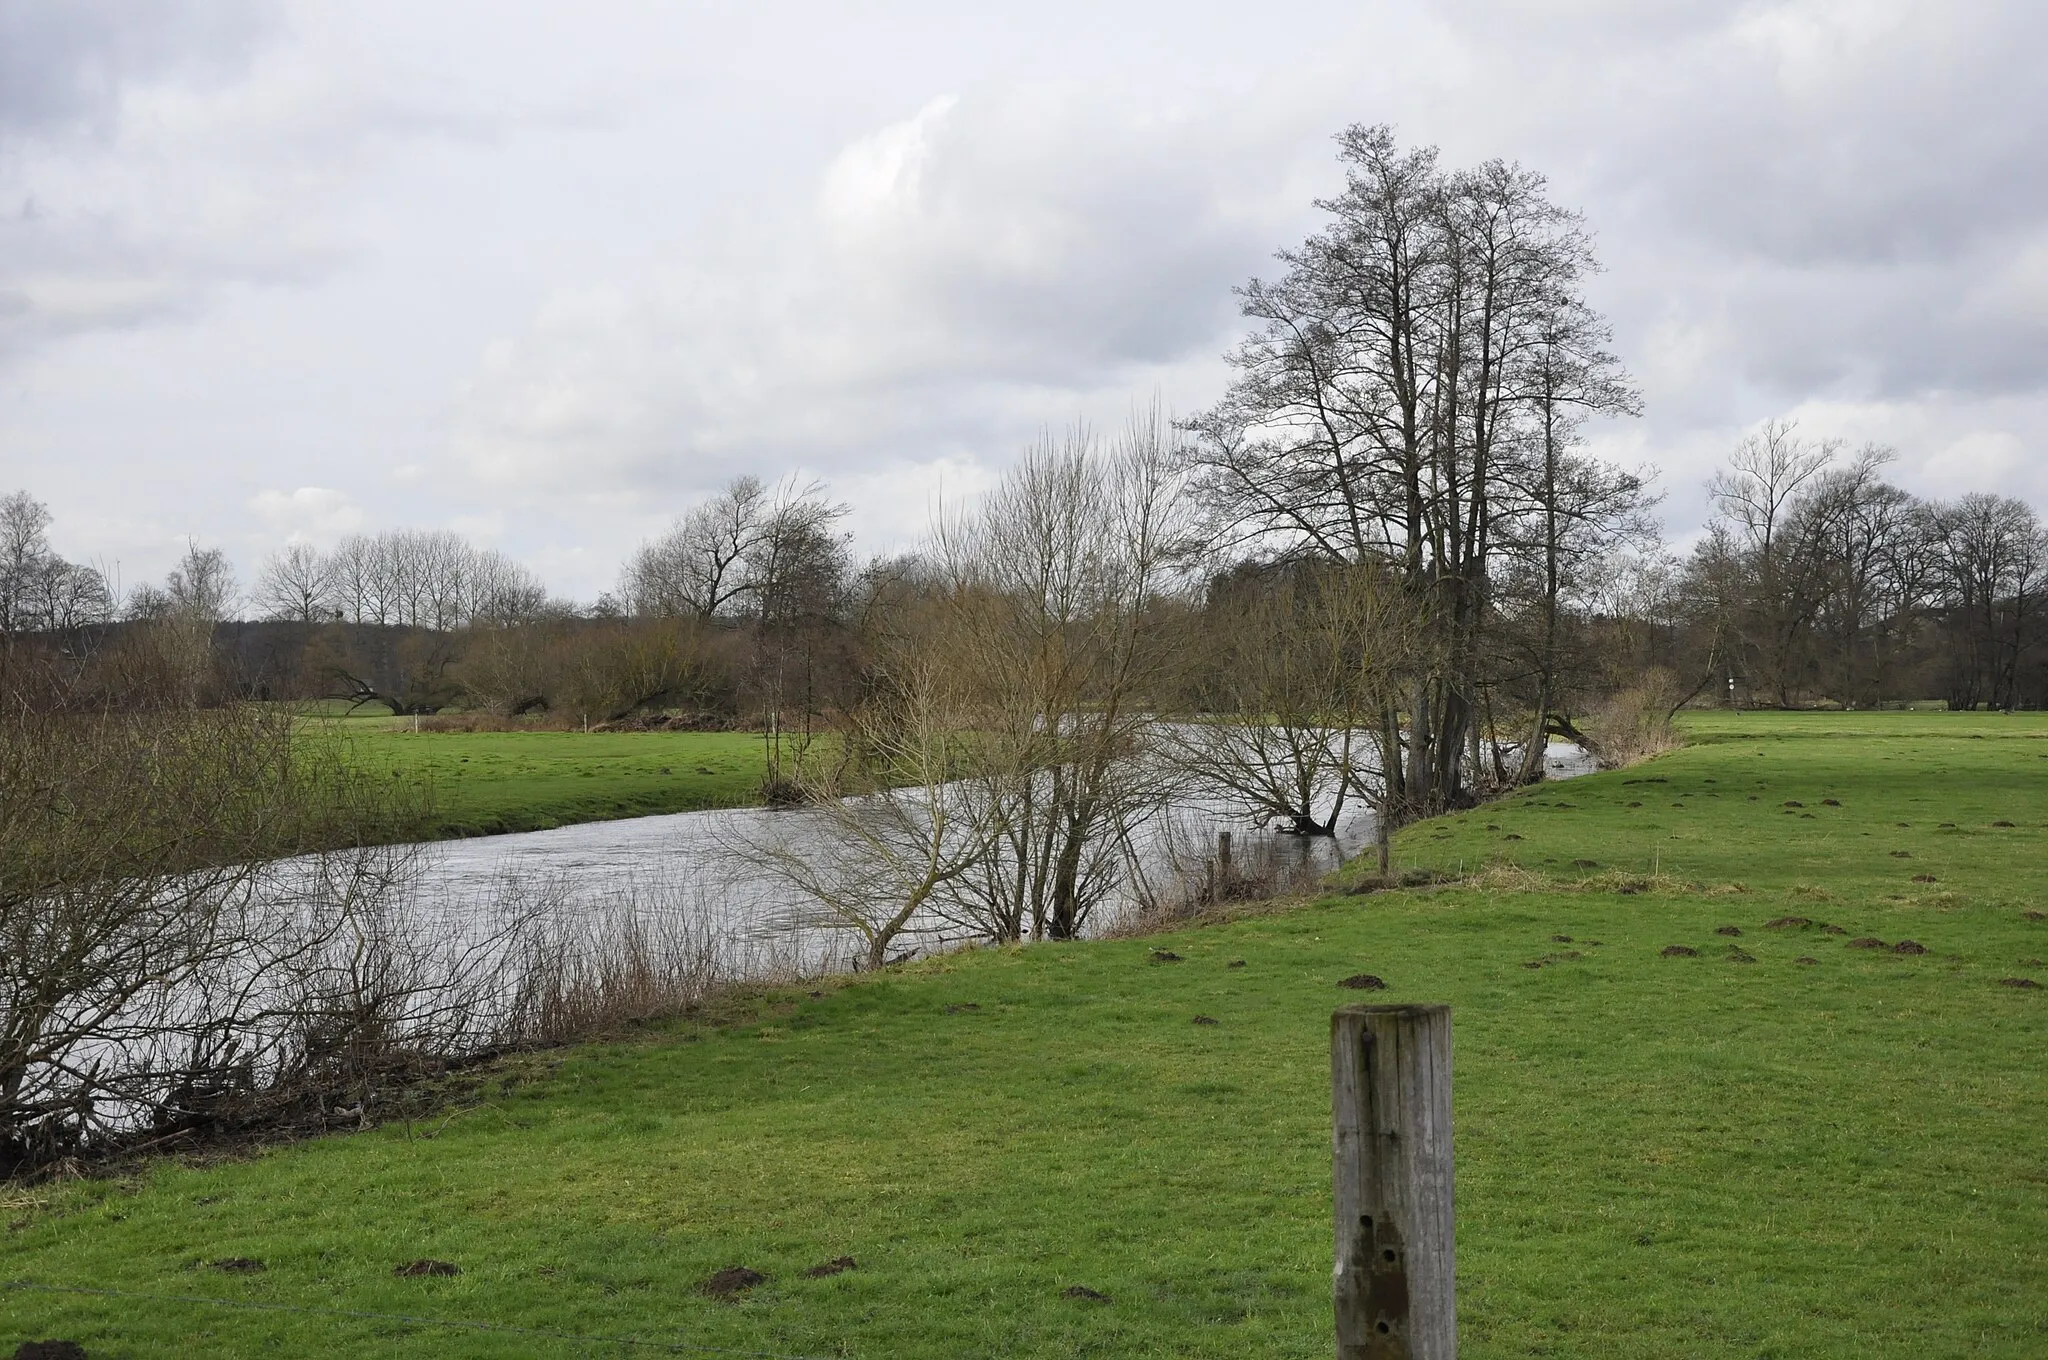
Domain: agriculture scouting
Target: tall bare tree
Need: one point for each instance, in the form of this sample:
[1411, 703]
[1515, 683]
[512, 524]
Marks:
[1401, 372]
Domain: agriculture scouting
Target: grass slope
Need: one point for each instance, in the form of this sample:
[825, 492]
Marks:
[483, 783]
[1657, 1156]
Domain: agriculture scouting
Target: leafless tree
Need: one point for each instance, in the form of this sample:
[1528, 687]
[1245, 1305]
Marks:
[297, 583]
[872, 859]
[135, 949]
[202, 586]
[1050, 605]
[732, 553]
[38, 589]
[1297, 665]
[1407, 364]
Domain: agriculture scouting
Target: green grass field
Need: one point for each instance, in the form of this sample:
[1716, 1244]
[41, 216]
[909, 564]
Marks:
[1657, 1156]
[483, 783]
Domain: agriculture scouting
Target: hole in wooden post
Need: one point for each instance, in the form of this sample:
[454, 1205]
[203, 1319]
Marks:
[1365, 1220]
[1384, 1329]
[1388, 1254]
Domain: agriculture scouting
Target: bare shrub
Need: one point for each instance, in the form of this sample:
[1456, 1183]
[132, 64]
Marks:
[147, 928]
[646, 952]
[1634, 723]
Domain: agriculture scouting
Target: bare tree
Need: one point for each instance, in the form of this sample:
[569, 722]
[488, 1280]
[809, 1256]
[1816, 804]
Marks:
[202, 586]
[1297, 665]
[38, 589]
[873, 860]
[297, 583]
[698, 567]
[135, 950]
[1403, 368]
[1050, 606]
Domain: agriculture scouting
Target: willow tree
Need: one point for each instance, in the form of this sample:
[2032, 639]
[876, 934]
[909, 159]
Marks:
[1389, 401]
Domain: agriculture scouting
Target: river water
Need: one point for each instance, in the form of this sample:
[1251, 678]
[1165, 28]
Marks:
[684, 862]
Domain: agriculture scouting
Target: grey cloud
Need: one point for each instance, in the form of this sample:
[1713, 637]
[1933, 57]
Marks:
[65, 63]
[762, 260]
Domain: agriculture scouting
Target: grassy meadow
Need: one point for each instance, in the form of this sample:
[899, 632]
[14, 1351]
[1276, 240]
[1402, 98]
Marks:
[484, 783]
[1780, 1146]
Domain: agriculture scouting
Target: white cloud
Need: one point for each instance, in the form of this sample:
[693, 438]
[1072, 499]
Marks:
[307, 514]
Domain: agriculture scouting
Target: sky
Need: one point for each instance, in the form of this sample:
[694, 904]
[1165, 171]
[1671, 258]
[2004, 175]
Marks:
[275, 271]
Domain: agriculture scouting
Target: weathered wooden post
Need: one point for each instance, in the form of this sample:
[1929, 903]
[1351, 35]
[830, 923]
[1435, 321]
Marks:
[1223, 853]
[1396, 1270]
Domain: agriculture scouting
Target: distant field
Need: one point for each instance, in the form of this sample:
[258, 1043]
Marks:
[483, 783]
[1737, 1155]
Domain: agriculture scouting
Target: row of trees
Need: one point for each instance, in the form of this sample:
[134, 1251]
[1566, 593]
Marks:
[1820, 580]
[1407, 412]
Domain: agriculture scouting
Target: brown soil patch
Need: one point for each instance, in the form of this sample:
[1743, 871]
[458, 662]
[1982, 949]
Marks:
[1079, 1291]
[1793, 802]
[1363, 982]
[1235, 963]
[239, 1265]
[1679, 951]
[423, 1266]
[1788, 923]
[1806, 958]
[1511, 836]
[1727, 930]
[1560, 939]
[2001, 823]
[730, 1281]
[1909, 947]
[2027, 983]
[1205, 1020]
[1736, 955]
[1833, 930]
[49, 1350]
[1867, 942]
[1165, 956]
[1830, 802]
[838, 1265]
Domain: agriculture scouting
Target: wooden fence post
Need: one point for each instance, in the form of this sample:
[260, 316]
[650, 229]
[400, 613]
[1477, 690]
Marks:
[1396, 1269]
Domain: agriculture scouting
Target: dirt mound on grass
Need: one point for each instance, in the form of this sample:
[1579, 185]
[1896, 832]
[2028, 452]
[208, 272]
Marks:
[1083, 1292]
[731, 1281]
[1363, 982]
[1679, 951]
[2028, 983]
[1909, 947]
[49, 1350]
[1867, 942]
[838, 1265]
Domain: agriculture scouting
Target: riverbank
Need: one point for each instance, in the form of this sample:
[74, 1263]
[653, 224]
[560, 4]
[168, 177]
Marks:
[491, 783]
[1726, 1153]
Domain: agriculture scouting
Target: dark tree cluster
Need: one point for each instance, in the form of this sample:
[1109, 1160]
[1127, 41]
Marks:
[1820, 582]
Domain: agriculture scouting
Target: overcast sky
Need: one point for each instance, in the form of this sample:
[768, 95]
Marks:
[548, 273]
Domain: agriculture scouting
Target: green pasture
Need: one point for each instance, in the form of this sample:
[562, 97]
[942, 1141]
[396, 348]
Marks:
[483, 783]
[1781, 1146]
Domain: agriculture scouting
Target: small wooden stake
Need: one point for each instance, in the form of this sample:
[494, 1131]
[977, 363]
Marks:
[1396, 1268]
